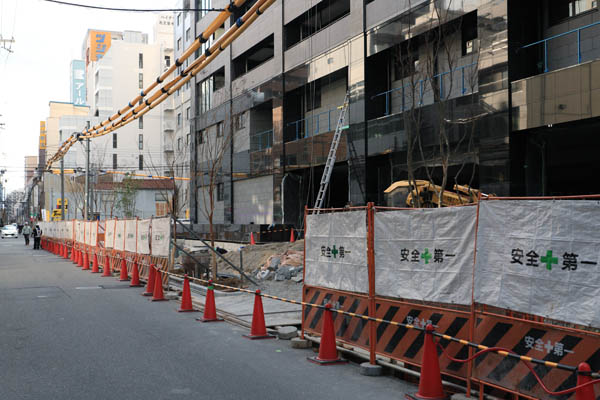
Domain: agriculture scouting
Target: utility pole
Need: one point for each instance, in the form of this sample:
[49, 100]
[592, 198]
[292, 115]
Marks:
[62, 188]
[87, 178]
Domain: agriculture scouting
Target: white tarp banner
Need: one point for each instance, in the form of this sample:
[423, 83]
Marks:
[87, 232]
[161, 236]
[79, 231]
[69, 231]
[120, 235]
[540, 257]
[336, 251]
[425, 254]
[130, 236]
[143, 236]
[93, 233]
[109, 234]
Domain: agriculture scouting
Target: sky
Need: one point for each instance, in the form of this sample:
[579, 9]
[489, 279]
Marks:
[47, 37]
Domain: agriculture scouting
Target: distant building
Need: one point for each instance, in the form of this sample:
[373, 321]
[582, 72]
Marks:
[31, 164]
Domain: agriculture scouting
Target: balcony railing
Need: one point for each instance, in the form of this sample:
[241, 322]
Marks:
[421, 87]
[545, 42]
[313, 125]
[261, 141]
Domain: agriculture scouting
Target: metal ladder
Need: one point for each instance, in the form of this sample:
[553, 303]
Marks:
[331, 157]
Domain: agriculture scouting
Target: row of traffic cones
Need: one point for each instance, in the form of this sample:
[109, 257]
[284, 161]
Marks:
[292, 237]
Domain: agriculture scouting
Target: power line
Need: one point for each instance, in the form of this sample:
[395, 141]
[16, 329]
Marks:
[132, 9]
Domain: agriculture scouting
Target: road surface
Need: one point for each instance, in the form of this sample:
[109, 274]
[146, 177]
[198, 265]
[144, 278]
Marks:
[63, 336]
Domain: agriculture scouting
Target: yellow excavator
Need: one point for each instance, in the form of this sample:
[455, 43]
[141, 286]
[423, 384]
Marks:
[404, 194]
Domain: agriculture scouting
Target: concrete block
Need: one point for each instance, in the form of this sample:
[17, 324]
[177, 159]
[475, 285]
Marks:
[298, 343]
[287, 332]
[369, 369]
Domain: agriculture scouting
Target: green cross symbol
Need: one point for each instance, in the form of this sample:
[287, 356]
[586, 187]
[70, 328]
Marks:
[334, 251]
[549, 260]
[426, 255]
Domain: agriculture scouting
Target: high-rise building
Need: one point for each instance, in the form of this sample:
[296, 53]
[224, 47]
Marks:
[31, 164]
[515, 101]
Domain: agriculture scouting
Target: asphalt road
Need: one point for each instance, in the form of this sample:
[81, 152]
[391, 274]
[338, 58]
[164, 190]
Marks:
[62, 336]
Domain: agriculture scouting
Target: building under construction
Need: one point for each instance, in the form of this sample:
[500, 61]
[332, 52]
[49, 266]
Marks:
[453, 94]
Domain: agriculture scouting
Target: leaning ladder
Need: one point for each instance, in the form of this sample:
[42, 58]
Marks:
[331, 157]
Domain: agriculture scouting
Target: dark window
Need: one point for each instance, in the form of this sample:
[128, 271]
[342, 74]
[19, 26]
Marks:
[188, 34]
[179, 119]
[220, 129]
[220, 191]
[168, 61]
[200, 137]
[141, 122]
[219, 79]
[114, 161]
[141, 162]
[178, 19]
[179, 144]
[313, 95]
[141, 142]
[559, 10]
[318, 17]
[179, 44]
[141, 81]
[114, 140]
[187, 114]
[204, 94]
[253, 57]
[141, 60]
[469, 33]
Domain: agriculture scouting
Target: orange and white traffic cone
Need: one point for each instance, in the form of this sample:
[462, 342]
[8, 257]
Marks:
[123, 276]
[135, 275]
[430, 383]
[150, 284]
[158, 294]
[106, 268]
[210, 310]
[86, 261]
[258, 330]
[95, 268]
[584, 375]
[328, 354]
[186, 297]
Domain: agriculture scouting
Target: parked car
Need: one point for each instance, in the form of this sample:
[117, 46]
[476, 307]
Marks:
[9, 231]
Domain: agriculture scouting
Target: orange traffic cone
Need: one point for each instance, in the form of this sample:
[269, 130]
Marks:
[328, 353]
[186, 297]
[123, 276]
[292, 239]
[252, 238]
[150, 284]
[258, 330]
[95, 269]
[430, 383]
[73, 255]
[210, 310]
[80, 258]
[135, 275]
[584, 375]
[158, 294]
[106, 268]
[86, 261]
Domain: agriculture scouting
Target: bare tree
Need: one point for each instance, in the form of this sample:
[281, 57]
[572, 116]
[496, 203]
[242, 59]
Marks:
[211, 148]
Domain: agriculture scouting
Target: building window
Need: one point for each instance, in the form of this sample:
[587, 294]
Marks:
[178, 19]
[141, 122]
[179, 120]
[141, 161]
[179, 143]
[205, 89]
[204, 5]
[114, 140]
[179, 44]
[563, 9]
[239, 121]
[141, 142]
[313, 20]
[141, 80]
[114, 161]
[220, 192]
[188, 34]
[168, 61]
[187, 114]
[220, 129]
[141, 60]
[200, 137]
[187, 140]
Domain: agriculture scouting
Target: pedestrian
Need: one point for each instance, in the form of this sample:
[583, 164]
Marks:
[26, 233]
[37, 236]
